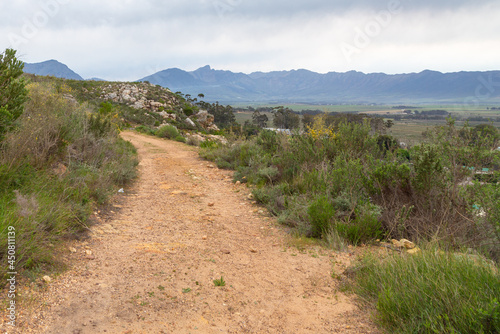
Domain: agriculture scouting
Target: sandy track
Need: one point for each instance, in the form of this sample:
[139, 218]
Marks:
[149, 266]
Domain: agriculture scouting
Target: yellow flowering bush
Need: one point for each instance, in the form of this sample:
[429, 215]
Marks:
[320, 130]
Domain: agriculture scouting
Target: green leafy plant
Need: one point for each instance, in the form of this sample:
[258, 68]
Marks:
[219, 282]
[99, 125]
[145, 129]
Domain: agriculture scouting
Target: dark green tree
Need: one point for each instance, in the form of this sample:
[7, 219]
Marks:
[307, 120]
[285, 118]
[259, 119]
[13, 92]
[223, 115]
[488, 133]
[484, 136]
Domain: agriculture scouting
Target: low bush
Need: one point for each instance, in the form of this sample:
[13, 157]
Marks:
[145, 129]
[180, 139]
[167, 131]
[321, 212]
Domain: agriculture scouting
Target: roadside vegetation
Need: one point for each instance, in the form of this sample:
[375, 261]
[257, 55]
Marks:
[346, 182]
[59, 159]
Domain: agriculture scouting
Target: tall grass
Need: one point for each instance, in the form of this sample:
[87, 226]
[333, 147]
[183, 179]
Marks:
[431, 292]
[61, 161]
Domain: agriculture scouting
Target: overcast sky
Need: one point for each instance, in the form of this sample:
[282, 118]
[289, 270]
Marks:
[130, 39]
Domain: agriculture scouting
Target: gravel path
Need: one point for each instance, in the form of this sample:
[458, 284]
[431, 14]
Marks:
[151, 260]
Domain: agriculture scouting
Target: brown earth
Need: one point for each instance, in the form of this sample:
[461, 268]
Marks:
[150, 262]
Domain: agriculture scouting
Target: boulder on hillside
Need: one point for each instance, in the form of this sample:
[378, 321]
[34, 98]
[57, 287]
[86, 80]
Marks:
[166, 115]
[206, 120]
[190, 122]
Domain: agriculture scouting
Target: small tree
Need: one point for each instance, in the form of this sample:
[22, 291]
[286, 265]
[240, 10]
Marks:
[13, 92]
[223, 115]
[285, 118]
[259, 119]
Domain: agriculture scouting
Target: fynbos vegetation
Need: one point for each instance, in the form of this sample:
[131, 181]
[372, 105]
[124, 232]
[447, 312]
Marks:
[58, 159]
[347, 183]
[348, 179]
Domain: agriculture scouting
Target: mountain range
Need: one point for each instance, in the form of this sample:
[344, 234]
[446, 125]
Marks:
[303, 86]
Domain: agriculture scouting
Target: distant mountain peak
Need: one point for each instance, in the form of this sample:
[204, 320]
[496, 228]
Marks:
[53, 68]
[204, 68]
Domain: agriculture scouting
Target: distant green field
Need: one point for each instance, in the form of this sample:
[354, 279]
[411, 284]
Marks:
[410, 131]
[241, 117]
[462, 109]
[324, 108]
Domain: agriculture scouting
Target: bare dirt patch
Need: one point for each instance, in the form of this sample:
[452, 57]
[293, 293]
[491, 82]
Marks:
[150, 262]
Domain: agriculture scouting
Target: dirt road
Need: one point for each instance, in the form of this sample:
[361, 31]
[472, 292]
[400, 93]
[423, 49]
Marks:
[150, 263]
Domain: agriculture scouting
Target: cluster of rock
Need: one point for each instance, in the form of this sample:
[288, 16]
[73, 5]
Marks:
[145, 96]
[135, 95]
[206, 120]
[198, 138]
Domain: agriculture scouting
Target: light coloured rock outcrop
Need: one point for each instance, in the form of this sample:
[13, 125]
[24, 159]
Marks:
[206, 120]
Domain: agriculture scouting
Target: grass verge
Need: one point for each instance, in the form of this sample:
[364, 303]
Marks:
[431, 292]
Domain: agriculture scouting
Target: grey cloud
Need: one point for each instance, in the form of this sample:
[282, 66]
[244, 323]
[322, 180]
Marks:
[283, 8]
[100, 38]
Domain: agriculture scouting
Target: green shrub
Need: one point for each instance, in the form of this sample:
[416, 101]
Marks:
[268, 140]
[486, 197]
[145, 129]
[344, 203]
[431, 292]
[368, 222]
[106, 108]
[428, 168]
[180, 139]
[321, 212]
[209, 144]
[167, 131]
[189, 109]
